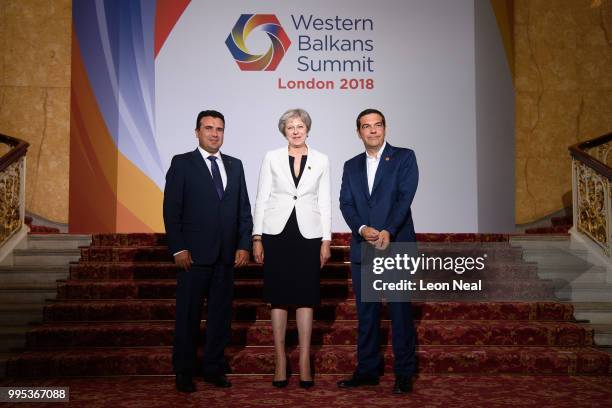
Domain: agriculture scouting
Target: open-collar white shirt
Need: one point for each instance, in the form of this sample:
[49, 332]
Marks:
[371, 167]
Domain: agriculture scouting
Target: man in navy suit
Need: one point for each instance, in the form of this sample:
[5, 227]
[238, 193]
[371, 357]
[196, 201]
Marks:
[208, 222]
[375, 197]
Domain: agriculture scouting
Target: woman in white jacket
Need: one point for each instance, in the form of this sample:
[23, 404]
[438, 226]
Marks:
[292, 227]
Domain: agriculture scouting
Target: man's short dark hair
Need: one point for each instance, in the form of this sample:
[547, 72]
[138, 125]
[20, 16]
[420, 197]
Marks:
[370, 111]
[211, 113]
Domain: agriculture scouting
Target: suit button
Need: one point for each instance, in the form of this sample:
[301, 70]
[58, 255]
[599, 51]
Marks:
[294, 197]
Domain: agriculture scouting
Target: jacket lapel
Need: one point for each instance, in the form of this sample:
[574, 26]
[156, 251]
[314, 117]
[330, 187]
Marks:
[230, 172]
[198, 160]
[383, 166]
[283, 159]
[362, 175]
[310, 168]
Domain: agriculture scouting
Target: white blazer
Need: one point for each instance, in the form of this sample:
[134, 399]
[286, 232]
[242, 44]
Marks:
[277, 195]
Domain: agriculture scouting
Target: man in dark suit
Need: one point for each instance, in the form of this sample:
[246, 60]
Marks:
[375, 197]
[208, 222]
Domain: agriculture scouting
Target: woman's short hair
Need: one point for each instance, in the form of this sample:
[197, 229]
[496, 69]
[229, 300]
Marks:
[294, 113]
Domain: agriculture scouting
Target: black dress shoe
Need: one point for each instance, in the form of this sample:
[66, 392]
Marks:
[358, 381]
[219, 380]
[306, 384]
[184, 383]
[280, 383]
[403, 385]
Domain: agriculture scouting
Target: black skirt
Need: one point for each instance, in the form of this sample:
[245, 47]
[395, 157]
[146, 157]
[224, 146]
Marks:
[291, 267]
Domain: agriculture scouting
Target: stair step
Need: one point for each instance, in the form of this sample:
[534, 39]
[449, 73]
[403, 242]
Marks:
[333, 270]
[4, 357]
[530, 239]
[562, 278]
[560, 229]
[33, 273]
[13, 337]
[602, 334]
[562, 220]
[45, 256]
[20, 313]
[429, 332]
[338, 288]
[555, 257]
[338, 253]
[27, 292]
[585, 292]
[256, 309]
[483, 360]
[567, 271]
[603, 339]
[131, 239]
[57, 241]
[594, 312]
[606, 349]
[148, 239]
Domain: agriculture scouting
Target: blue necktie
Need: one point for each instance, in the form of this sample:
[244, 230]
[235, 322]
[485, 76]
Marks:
[216, 175]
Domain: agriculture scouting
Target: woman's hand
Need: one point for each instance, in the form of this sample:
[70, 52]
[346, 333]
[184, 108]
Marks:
[258, 251]
[325, 252]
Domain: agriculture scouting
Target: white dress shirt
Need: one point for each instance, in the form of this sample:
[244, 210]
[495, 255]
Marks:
[371, 167]
[205, 155]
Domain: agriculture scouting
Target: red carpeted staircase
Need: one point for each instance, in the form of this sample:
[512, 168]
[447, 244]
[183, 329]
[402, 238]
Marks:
[114, 316]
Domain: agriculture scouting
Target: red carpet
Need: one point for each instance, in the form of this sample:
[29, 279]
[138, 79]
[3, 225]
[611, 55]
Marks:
[256, 391]
[114, 317]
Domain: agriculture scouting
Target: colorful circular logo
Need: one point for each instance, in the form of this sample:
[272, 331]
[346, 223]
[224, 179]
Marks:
[252, 62]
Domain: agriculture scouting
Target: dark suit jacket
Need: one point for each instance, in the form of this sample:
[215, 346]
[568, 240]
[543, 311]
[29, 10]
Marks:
[388, 207]
[195, 218]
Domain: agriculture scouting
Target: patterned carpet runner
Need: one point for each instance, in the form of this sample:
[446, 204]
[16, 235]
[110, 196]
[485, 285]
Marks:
[114, 316]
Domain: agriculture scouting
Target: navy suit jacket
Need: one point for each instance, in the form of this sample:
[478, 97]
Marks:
[388, 207]
[194, 216]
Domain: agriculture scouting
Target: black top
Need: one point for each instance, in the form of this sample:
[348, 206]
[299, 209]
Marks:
[296, 180]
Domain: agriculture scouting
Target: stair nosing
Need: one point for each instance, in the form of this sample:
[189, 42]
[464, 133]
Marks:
[59, 237]
[46, 251]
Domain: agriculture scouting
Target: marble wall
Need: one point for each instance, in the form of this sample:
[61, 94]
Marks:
[563, 83]
[35, 37]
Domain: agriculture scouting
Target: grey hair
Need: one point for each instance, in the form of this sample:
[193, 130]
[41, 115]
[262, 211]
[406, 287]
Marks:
[294, 113]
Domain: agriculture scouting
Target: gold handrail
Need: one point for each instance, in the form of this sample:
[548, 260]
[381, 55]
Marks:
[12, 186]
[581, 151]
[592, 190]
[19, 149]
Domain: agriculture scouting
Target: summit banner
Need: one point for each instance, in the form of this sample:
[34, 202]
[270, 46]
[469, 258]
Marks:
[413, 60]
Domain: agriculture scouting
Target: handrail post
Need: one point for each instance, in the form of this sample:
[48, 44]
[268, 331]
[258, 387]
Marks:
[22, 189]
[608, 217]
[575, 193]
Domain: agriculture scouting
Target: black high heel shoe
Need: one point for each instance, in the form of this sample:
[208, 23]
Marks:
[283, 383]
[309, 383]
[280, 384]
